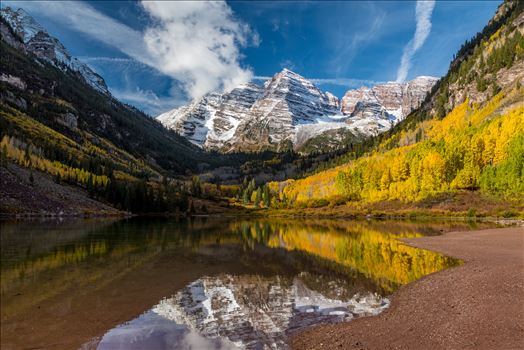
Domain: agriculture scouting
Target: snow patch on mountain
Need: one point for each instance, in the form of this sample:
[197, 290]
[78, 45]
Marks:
[36, 40]
[213, 119]
[391, 98]
[290, 109]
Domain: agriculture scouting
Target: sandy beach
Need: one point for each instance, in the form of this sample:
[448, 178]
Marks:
[478, 305]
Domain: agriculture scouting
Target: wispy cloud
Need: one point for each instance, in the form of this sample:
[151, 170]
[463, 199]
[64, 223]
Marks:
[287, 63]
[147, 100]
[84, 18]
[423, 13]
[137, 84]
[344, 81]
[277, 24]
[120, 61]
[349, 45]
[197, 43]
[104, 59]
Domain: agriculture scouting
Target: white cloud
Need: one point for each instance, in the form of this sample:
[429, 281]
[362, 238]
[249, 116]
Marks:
[195, 42]
[423, 13]
[198, 43]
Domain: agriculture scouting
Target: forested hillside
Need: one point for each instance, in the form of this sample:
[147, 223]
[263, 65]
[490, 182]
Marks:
[52, 121]
[467, 138]
[468, 135]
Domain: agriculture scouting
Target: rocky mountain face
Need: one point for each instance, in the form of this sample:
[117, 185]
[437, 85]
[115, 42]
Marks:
[491, 73]
[289, 111]
[395, 99]
[48, 96]
[213, 119]
[288, 101]
[36, 40]
[489, 62]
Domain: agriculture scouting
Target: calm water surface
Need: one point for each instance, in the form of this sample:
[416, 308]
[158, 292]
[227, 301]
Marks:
[201, 284]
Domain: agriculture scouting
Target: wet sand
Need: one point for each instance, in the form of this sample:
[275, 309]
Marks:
[478, 305]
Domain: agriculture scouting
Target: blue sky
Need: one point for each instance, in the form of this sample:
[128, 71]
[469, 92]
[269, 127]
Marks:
[157, 56]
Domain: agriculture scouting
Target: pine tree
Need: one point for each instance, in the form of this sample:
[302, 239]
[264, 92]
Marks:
[27, 156]
[246, 196]
[286, 201]
[183, 202]
[90, 186]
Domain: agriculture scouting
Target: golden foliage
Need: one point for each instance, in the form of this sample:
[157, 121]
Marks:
[454, 154]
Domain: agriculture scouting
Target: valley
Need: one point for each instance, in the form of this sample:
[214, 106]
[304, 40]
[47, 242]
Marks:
[297, 146]
[261, 175]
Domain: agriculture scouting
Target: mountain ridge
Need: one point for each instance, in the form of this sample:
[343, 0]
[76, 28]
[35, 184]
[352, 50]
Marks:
[57, 125]
[289, 111]
[461, 149]
[39, 42]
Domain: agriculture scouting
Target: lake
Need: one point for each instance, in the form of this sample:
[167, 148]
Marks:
[204, 283]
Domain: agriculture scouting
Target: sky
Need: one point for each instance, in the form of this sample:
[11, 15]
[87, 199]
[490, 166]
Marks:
[160, 55]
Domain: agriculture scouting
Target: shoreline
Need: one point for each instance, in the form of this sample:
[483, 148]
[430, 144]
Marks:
[478, 305]
[517, 220]
[505, 222]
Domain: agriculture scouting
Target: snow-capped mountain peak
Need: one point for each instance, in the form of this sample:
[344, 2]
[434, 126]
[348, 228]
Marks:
[22, 23]
[395, 99]
[290, 110]
[38, 41]
[212, 120]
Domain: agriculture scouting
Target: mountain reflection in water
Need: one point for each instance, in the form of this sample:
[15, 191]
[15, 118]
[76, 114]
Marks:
[250, 312]
[205, 283]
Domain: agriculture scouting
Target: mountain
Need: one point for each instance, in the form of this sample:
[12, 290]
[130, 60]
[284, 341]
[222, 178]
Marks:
[36, 40]
[462, 150]
[486, 64]
[64, 126]
[213, 119]
[289, 111]
[288, 102]
[396, 100]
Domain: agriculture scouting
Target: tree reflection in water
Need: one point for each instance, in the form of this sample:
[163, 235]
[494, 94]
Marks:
[57, 276]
